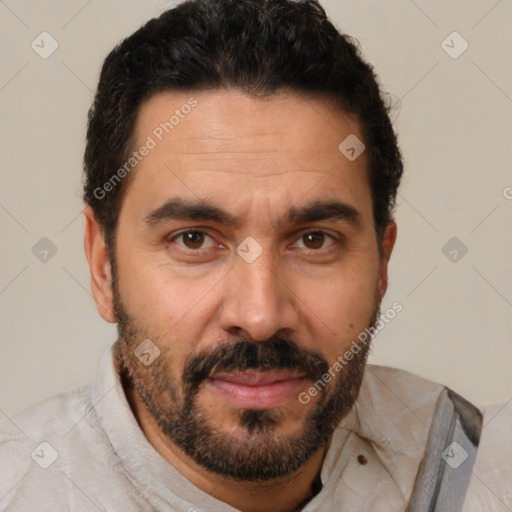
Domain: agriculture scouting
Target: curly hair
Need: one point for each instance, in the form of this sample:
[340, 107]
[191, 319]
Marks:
[260, 47]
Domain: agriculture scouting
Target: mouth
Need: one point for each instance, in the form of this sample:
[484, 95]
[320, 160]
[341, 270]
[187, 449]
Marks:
[257, 390]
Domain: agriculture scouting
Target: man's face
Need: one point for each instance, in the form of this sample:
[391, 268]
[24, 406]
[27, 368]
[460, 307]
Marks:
[253, 291]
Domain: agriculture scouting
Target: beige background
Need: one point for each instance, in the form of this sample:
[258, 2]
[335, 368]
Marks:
[455, 125]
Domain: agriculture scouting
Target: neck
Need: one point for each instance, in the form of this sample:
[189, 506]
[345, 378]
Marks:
[286, 494]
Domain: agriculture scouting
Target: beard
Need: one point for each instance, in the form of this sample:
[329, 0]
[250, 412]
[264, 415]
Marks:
[261, 452]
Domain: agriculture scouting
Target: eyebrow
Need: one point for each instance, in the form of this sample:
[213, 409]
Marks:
[186, 209]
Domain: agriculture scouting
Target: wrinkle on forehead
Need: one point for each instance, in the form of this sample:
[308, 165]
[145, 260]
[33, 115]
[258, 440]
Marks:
[271, 174]
[227, 117]
[235, 146]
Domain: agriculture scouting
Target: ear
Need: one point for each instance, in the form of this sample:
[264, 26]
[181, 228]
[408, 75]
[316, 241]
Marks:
[387, 244]
[99, 266]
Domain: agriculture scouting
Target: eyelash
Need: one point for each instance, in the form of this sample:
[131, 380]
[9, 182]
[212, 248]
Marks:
[172, 238]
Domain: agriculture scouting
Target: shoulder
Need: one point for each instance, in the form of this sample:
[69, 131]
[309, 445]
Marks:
[394, 410]
[50, 415]
[403, 385]
[31, 447]
[491, 483]
[401, 400]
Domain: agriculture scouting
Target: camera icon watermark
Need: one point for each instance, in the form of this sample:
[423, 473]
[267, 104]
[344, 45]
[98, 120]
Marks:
[44, 455]
[454, 455]
[44, 45]
[249, 250]
[351, 147]
[44, 250]
[454, 249]
[454, 45]
[146, 352]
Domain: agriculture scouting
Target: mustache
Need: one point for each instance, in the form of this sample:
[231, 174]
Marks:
[274, 354]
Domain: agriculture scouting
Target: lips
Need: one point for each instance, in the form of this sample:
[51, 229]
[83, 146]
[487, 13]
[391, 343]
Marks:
[257, 390]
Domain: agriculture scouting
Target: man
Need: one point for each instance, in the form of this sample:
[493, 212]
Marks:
[241, 172]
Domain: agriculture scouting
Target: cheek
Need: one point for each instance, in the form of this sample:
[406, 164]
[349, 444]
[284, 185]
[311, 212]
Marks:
[170, 309]
[340, 308]
[146, 286]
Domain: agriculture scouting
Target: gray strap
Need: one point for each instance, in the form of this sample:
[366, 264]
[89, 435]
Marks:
[444, 473]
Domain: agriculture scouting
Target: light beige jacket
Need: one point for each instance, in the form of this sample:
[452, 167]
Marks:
[84, 451]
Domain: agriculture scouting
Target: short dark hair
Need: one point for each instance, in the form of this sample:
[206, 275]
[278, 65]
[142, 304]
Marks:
[260, 47]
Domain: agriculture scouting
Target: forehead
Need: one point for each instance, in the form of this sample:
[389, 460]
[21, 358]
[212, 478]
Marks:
[225, 143]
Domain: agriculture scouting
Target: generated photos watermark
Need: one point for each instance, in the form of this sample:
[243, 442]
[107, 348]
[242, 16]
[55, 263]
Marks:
[157, 135]
[343, 360]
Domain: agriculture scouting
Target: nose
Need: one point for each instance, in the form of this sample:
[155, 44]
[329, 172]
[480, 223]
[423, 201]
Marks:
[258, 301]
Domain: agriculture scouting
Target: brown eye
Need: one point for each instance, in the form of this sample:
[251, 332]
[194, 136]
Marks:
[316, 240]
[192, 239]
